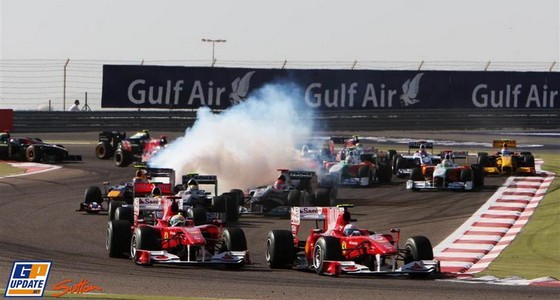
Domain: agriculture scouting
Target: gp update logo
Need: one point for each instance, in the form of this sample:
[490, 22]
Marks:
[28, 279]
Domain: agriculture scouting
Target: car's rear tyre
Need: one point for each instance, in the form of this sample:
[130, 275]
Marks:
[323, 197]
[124, 213]
[33, 154]
[326, 248]
[122, 158]
[478, 175]
[198, 214]
[529, 160]
[483, 159]
[117, 238]
[280, 249]
[239, 195]
[294, 198]
[384, 174]
[103, 150]
[232, 208]
[113, 205]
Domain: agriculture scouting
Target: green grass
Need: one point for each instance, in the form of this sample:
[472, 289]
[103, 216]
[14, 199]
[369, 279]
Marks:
[7, 169]
[535, 252]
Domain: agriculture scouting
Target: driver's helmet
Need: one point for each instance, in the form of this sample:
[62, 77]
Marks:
[140, 176]
[280, 182]
[350, 157]
[447, 160]
[192, 185]
[177, 220]
[422, 152]
[505, 149]
[163, 140]
[146, 133]
[351, 229]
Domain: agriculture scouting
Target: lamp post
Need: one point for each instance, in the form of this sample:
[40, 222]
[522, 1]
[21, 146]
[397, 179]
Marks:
[213, 41]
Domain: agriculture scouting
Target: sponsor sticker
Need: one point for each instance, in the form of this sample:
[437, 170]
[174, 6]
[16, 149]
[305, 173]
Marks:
[28, 279]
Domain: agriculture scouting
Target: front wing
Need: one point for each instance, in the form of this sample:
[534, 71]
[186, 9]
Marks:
[232, 258]
[429, 185]
[336, 268]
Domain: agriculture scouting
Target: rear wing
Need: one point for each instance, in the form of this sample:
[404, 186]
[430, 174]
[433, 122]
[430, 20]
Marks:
[160, 175]
[145, 188]
[455, 154]
[339, 139]
[202, 179]
[108, 136]
[500, 143]
[329, 214]
[298, 174]
[148, 207]
[416, 145]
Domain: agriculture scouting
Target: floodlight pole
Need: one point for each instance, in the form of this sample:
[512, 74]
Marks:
[213, 41]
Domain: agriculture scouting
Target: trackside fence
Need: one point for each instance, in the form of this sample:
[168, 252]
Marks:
[353, 120]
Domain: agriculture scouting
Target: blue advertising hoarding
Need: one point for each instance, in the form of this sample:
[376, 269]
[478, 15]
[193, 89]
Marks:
[170, 87]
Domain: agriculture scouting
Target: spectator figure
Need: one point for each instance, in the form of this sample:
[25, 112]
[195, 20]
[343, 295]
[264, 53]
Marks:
[76, 106]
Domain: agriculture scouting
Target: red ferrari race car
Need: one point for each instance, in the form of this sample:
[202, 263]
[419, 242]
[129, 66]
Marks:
[447, 174]
[339, 247]
[155, 231]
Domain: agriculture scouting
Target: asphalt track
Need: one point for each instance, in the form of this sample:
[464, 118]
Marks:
[38, 222]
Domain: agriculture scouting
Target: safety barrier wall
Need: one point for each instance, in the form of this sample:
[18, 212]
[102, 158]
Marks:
[358, 120]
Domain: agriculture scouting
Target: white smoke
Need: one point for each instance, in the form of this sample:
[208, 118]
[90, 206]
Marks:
[245, 144]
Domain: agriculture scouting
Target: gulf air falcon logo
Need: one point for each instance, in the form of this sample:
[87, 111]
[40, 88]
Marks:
[410, 90]
[240, 88]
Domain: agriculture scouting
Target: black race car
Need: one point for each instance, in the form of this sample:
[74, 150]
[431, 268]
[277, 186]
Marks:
[32, 150]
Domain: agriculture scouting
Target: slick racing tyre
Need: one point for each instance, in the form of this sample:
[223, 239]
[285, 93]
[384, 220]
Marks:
[33, 154]
[124, 213]
[118, 238]
[144, 238]
[478, 175]
[326, 248]
[280, 249]
[122, 158]
[103, 150]
[323, 197]
[93, 194]
[113, 205]
[233, 239]
[418, 248]
[294, 198]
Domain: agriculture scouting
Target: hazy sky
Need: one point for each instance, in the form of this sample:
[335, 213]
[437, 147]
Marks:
[296, 30]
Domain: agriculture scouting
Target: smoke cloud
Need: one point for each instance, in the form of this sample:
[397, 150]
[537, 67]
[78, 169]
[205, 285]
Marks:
[245, 144]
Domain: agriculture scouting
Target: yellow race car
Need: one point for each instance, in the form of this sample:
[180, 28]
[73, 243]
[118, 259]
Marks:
[507, 161]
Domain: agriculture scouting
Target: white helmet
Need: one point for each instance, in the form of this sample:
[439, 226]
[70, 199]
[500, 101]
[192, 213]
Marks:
[351, 229]
[177, 220]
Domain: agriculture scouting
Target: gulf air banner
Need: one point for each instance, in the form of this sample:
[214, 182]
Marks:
[126, 86]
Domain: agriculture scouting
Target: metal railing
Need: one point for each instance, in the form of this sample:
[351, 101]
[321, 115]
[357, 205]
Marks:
[348, 120]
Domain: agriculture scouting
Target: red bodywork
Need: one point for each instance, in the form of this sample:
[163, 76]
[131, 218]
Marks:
[353, 247]
[161, 210]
